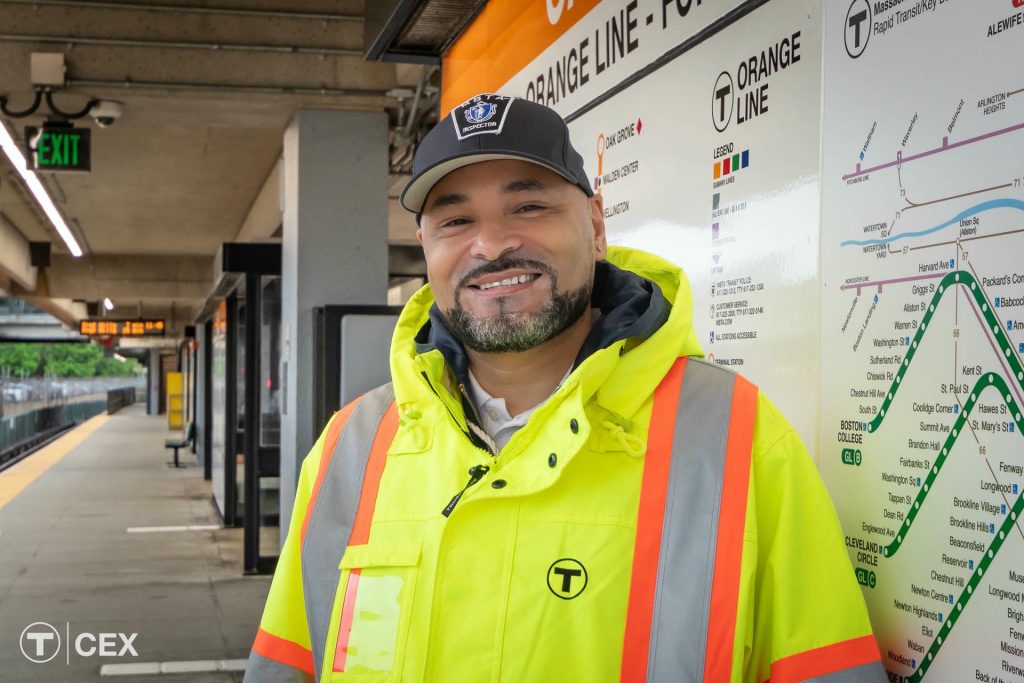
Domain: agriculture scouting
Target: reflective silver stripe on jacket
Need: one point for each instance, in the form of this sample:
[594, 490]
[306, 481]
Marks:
[334, 513]
[865, 673]
[682, 594]
[266, 670]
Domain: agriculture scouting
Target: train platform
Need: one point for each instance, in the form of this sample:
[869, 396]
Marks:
[99, 536]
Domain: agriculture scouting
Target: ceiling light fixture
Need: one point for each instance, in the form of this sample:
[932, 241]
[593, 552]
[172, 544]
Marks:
[42, 197]
[108, 304]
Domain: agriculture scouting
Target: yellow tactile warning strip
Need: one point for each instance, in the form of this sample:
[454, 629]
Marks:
[16, 478]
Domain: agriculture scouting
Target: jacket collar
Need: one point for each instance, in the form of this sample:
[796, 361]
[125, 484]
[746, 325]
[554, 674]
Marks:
[618, 376]
[631, 307]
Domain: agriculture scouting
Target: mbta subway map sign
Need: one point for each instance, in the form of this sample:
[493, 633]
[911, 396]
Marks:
[842, 183]
[921, 433]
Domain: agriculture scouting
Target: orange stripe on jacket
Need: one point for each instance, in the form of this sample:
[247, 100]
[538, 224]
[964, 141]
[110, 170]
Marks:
[361, 526]
[371, 480]
[732, 515]
[284, 651]
[825, 660]
[348, 610]
[650, 519]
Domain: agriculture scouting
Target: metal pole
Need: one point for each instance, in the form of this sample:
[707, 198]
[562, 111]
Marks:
[207, 400]
[191, 9]
[223, 87]
[179, 45]
[231, 414]
[251, 440]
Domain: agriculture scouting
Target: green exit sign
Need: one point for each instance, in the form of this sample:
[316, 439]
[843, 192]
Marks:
[58, 148]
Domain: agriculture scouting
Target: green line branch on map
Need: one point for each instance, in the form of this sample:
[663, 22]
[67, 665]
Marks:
[988, 381]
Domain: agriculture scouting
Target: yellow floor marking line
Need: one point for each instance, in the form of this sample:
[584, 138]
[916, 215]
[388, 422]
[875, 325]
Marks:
[16, 478]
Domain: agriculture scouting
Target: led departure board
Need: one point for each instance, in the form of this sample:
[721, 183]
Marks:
[105, 327]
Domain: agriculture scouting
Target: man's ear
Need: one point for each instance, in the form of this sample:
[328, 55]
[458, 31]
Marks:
[596, 205]
[419, 235]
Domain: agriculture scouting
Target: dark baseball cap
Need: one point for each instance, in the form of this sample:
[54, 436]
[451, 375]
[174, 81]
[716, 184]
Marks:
[489, 127]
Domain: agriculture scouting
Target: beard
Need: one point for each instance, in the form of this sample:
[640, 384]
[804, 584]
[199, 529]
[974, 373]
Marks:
[513, 331]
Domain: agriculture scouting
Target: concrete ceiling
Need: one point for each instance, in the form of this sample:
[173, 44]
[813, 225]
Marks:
[192, 163]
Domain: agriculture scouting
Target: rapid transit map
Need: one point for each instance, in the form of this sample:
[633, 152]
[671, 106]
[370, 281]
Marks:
[921, 437]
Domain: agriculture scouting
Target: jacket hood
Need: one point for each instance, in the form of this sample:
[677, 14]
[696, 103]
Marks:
[645, 324]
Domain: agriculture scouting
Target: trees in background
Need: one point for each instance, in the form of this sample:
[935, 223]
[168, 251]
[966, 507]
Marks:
[21, 359]
[71, 360]
[26, 359]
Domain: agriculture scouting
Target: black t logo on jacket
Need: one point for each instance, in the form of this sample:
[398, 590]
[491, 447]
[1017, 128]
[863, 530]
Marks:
[567, 578]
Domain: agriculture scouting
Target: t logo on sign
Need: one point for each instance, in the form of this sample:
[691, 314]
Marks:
[567, 578]
[857, 28]
[722, 101]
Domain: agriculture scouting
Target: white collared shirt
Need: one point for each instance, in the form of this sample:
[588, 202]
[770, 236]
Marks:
[498, 424]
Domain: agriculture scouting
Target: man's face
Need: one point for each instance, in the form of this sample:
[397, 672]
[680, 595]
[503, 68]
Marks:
[510, 249]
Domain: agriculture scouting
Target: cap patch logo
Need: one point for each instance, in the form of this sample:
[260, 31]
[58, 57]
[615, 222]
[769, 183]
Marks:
[481, 114]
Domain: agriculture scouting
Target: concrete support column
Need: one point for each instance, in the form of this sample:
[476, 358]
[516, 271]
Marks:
[334, 251]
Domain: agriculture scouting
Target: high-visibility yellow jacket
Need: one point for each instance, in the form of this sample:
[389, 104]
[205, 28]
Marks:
[656, 519]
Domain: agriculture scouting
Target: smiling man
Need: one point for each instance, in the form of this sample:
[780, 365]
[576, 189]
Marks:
[555, 486]
[511, 249]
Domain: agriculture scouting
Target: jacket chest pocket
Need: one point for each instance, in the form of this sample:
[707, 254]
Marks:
[370, 618]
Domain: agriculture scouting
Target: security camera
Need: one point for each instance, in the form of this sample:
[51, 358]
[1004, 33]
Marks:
[106, 112]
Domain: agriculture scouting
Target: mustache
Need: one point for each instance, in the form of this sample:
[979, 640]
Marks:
[506, 264]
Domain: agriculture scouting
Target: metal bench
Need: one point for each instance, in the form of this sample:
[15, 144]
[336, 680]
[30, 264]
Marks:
[190, 434]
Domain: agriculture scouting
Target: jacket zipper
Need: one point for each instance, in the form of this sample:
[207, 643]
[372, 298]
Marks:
[476, 473]
[465, 395]
[478, 435]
